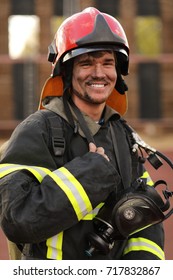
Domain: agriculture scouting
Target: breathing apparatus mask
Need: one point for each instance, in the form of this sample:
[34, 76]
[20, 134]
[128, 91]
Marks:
[139, 207]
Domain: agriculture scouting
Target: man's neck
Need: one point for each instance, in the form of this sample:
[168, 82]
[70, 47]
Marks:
[94, 111]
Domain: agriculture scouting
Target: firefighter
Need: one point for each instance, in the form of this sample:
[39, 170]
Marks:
[72, 155]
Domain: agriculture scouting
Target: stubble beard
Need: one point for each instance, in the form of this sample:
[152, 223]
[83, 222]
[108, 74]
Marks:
[87, 98]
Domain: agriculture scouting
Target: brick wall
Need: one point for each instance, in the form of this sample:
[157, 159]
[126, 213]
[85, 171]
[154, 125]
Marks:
[127, 15]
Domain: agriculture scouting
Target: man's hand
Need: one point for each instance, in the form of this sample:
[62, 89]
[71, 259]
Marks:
[98, 150]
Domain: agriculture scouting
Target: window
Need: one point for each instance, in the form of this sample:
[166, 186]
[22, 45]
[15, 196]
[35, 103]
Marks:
[148, 7]
[22, 7]
[148, 27]
[23, 36]
[148, 37]
[58, 7]
[110, 7]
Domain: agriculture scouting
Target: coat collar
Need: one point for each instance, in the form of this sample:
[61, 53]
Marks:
[56, 105]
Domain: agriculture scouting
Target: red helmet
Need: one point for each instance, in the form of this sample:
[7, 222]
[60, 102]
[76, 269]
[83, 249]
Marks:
[87, 31]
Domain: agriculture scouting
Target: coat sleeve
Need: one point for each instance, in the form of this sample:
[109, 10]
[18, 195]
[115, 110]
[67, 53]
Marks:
[38, 200]
[147, 244]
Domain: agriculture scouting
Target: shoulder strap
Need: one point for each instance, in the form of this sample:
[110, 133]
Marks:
[56, 135]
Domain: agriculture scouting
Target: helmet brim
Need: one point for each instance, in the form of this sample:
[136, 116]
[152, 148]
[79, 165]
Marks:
[79, 51]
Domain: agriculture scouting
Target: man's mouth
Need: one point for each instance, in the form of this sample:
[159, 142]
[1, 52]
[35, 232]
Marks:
[97, 85]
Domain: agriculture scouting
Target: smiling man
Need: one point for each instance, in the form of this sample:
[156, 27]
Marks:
[74, 155]
[94, 78]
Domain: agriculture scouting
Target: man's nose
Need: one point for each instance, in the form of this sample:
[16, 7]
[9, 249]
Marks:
[98, 71]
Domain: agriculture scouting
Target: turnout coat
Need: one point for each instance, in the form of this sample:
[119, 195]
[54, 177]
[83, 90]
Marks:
[51, 189]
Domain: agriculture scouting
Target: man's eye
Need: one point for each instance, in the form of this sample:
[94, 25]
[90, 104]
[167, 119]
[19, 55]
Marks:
[86, 64]
[109, 63]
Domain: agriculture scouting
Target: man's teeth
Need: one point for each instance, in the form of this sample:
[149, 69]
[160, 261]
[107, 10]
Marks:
[97, 85]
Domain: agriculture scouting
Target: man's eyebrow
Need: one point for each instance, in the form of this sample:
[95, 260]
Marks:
[109, 59]
[83, 60]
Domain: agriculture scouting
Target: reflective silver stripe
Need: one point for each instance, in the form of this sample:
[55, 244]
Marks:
[148, 178]
[74, 191]
[54, 247]
[144, 244]
[38, 172]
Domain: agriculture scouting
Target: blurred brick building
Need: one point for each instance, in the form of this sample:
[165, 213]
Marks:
[151, 75]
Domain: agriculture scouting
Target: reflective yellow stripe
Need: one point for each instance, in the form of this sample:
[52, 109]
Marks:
[140, 243]
[38, 172]
[93, 213]
[54, 247]
[73, 190]
[147, 176]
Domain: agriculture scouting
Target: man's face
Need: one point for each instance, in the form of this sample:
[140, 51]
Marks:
[94, 76]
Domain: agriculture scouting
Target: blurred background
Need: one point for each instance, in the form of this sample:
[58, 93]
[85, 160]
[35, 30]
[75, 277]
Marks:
[28, 27]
